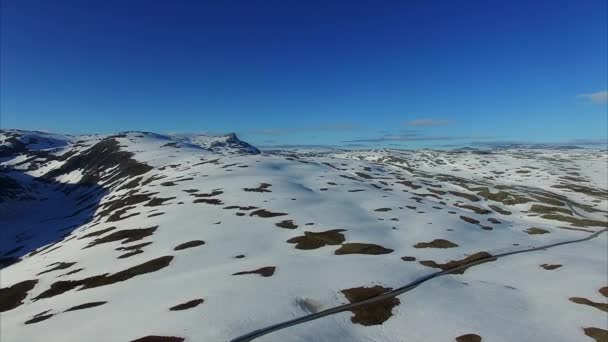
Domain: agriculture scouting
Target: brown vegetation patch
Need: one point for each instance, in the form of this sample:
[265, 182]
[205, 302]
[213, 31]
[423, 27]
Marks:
[13, 296]
[72, 272]
[213, 201]
[85, 306]
[154, 338]
[264, 271]
[130, 254]
[156, 201]
[469, 220]
[473, 208]
[126, 235]
[96, 233]
[536, 231]
[263, 187]
[485, 256]
[585, 301]
[60, 266]
[370, 314]
[599, 335]
[470, 197]
[189, 244]
[287, 224]
[362, 248]
[314, 240]
[542, 209]
[187, 305]
[211, 194]
[409, 184]
[468, 338]
[38, 318]
[265, 213]
[437, 243]
[550, 267]
[60, 287]
[575, 221]
[499, 209]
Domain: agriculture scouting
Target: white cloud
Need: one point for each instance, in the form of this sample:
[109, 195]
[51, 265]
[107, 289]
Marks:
[429, 122]
[597, 97]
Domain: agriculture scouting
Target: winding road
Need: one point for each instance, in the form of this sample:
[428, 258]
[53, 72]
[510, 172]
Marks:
[393, 293]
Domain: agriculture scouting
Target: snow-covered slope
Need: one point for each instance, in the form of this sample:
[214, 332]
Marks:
[137, 235]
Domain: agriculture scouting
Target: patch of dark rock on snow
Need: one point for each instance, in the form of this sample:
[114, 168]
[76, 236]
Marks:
[437, 243]
[189, 244]
[264, 271]
[383, 209]
[156, 201]
[126, 235]
[13, 296]
[187, 305]
[154, 338]
[213, 201]
[468, 338]
[408, 258]
[362, 248]
[96, 233]
[536, 231]
[63, 286]
[85, 306]
[550, 267]
[469, 220]
[370, 314]
[211, 194]
[287, 224]
[37, 319]
[130, 254]
[95, 161]
[265, 213]
[60, 266]
[314, 240]
[263, 187]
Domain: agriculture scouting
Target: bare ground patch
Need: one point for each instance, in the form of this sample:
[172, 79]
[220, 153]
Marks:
[60, 287]
[370, 314]
[585, 301]
[267, 271]
[85, 306]
[468, 338]
[189, 244]
[362, 248]
[437, 243]
[187, 305]
[287, 224]
[265, 213]
[126, 235]
[598, 334]
[314, 240]
[13, 296]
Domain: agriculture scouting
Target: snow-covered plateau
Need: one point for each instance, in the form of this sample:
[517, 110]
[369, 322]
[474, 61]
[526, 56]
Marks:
[148, 237]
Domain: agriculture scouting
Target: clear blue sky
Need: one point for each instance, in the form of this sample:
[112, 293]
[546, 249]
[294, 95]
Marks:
[405, 73]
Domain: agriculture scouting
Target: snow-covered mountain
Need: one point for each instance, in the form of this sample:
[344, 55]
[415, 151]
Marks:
[147, 237]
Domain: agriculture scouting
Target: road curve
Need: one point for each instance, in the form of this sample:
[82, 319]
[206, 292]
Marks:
[393, 293]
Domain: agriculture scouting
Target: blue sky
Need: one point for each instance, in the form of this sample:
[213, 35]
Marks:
[373, 73]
